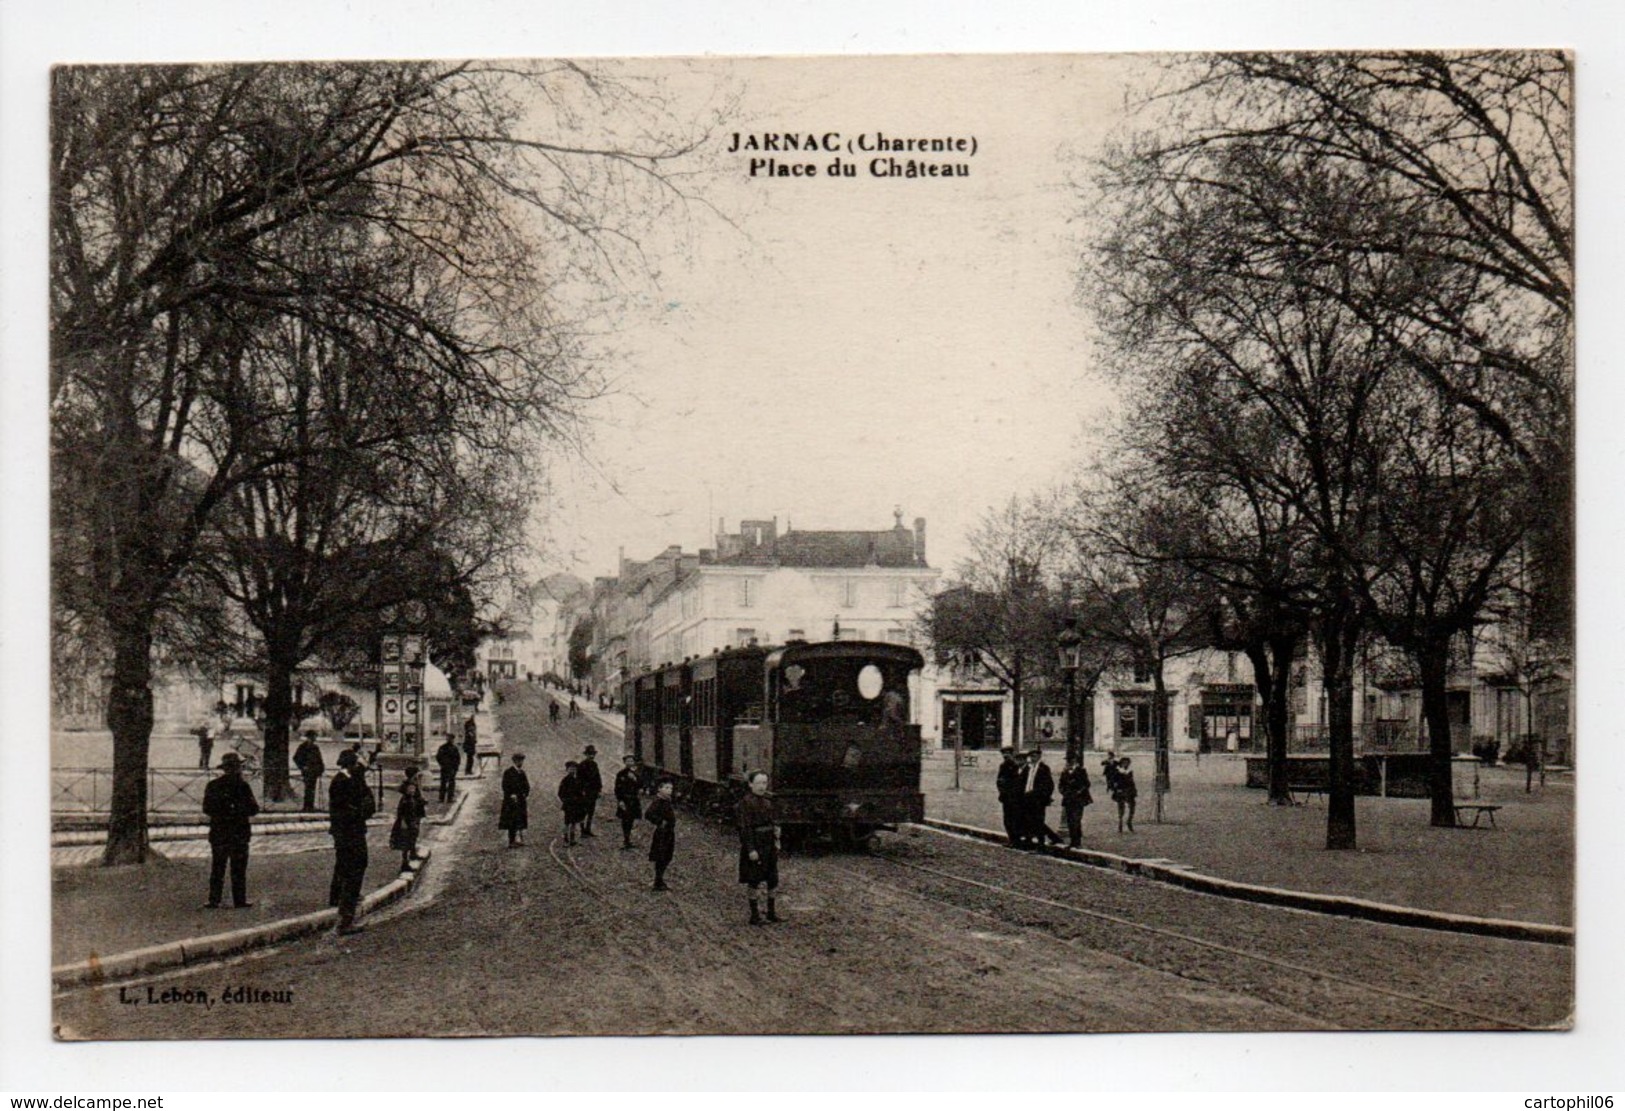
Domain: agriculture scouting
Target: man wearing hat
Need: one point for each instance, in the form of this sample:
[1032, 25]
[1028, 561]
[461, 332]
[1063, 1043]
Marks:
[229, 802]
[308, 759]
[591, 786]
[349, 805]
[1010, 782]
[628, 804]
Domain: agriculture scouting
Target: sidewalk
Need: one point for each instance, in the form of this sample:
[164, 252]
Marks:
[97, 911]
[1522, 870]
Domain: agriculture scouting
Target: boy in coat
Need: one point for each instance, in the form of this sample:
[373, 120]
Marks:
[349, 805]
[628, 804]
[663, 845]
[447, 757]
[758, 847]
[592, 786]
[570, 801]
[1074, 786]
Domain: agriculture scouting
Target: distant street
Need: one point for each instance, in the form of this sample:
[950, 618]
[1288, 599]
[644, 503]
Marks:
[931, 934]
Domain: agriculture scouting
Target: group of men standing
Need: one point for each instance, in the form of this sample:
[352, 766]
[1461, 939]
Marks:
[1027, 787]
[229, 804]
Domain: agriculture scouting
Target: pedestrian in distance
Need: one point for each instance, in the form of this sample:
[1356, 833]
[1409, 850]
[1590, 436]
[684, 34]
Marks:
[205, 745]
[553, 711]
[663, 844]
[1125, 793]
[575, 711]
[515, 816]
[592, 786]
[1108, 772]
[308, 759]
[628, 800]
[1009, 784]
[1074, 787]
[1037, 794]
[759, 848]
[447, 758]
[471, 745]
[349, 805]
[229, 802]
[409, 815]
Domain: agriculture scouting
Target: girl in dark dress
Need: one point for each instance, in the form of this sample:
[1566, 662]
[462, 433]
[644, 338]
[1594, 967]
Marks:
[515, 816]
[663, 844]
[570, 801]
[409, 814]
[758, 847]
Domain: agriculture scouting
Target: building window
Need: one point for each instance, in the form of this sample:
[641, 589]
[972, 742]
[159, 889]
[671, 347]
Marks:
[1142, 672]
[896, 592]
[1134, 719]
[896, 636]
[796, 634]
[849, 593]
[743, 637]
[747, 592]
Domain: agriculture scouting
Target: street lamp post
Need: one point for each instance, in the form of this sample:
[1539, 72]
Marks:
[1068, 643]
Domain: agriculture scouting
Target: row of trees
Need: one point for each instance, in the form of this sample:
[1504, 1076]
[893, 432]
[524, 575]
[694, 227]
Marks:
[1336, 292]
[307, 352]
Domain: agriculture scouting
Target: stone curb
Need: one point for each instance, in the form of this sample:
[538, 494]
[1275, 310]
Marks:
[199, 950]
[1341, 905]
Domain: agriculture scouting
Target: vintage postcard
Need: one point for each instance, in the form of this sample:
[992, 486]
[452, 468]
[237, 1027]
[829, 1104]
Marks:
[911, 544]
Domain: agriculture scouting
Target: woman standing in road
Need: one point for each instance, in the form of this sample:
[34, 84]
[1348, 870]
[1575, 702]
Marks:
[758, 847]
[515, 816]
[663, 845]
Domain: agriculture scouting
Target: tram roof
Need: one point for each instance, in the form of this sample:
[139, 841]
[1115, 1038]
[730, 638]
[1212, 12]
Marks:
[836, 649]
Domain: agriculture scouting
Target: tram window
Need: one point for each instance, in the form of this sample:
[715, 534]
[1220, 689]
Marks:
[870, 683]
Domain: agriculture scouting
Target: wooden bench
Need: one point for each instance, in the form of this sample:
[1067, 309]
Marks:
[1477, 810]
[1297, 789]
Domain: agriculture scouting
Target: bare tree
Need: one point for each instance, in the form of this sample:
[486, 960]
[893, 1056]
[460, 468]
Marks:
[1004, 607]
[189, 207]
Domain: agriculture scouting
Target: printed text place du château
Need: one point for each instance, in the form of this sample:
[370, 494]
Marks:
[792, 154]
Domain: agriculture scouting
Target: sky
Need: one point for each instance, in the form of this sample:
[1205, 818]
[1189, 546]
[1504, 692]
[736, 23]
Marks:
[828, 350]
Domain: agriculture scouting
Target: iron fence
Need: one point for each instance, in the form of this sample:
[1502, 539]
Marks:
[90, 790]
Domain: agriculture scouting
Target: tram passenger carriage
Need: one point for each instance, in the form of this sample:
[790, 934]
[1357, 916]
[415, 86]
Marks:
[828, 722]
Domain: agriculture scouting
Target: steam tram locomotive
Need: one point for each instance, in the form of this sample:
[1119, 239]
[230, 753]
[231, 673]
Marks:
[828, 722]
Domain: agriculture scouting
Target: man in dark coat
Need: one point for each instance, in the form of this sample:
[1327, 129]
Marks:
[1038, 793]
[471, 744]
[229, 802]
[663, 845]
[1009, 783]
[1074, 785]
[628, 804]
[349, 805]
[308, 759]
[591, 786]
[758, 847]
[447, 758]
[515, 816]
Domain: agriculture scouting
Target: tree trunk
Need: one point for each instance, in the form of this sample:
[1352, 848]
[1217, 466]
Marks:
[278, 711]
[129, 716]
[1433, 661]
[1272, 669]
[1015, 706]
[1338, 634]
[1159, 734]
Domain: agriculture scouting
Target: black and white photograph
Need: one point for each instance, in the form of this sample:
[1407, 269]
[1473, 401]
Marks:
[673, 545]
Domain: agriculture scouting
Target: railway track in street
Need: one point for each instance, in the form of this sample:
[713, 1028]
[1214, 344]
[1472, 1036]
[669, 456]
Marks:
[1295, 976]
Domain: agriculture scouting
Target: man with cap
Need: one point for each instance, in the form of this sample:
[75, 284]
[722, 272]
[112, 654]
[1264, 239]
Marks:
[308, 759]
[447, 757]
[349, 805]
[1009, 783]
[1038, 792]
[591, 786]
[229, 802]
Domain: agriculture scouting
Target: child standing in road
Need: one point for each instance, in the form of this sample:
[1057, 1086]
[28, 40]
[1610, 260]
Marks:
[409, 813]
[1125, 793]
[663, 845]
[570, 801]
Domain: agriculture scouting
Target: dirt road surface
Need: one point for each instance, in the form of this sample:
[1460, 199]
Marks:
[929, 934]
